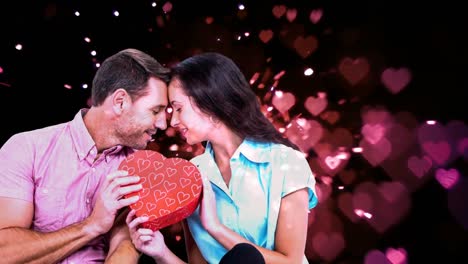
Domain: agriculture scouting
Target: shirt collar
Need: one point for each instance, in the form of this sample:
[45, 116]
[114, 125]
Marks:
[254, 151]
[84, 143]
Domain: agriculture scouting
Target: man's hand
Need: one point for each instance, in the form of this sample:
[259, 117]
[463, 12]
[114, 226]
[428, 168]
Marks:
[111, 199]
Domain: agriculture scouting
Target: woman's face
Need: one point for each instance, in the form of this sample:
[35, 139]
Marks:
[192, 124]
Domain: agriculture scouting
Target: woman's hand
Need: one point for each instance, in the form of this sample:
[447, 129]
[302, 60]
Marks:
[145, 240]
[208, 213]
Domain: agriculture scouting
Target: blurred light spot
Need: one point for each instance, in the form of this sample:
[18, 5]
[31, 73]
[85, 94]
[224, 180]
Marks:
[167, 7]
[218, 39]
[241, 7]
[67, 86]
[170, 132]
[116, 13]
[77, 13]
[98, 65]
[246, 34]
[279, 93]
[301, 122]
[174, 147]
[279, 75]
[19, 46]
[254, 78]
[308, 72]
[87, 39]
[169, 110]
[239, 37]
[209, 20]
[361, 213]
[357, 150]
[153, 4]
[430, 122]
[1, 70]
[84, 86]
[281, 129]
[270, 108]
[93, 53]
[340, 187]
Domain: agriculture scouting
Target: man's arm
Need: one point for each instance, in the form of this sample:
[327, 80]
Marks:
[18, 244]
[121, 248]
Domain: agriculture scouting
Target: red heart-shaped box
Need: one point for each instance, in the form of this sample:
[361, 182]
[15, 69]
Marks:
[171, 187]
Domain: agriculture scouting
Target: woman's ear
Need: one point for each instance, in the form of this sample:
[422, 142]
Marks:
[215, 121]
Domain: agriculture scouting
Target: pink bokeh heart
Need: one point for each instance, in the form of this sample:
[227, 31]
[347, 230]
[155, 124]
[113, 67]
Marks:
[283, 101]
[396, 255]
[377, 153]
[438, 141]
[305, 46]
[447, 178]
[419, 166]
[315, 15]
[328, 246]
[392, 191]
[463, 147]
[330, 116]
[265, 35]
[384, 213]
[376, 257]
[354, 70]
[438, 151]
[373, 115]
[304, 133]
[373, 133]
[315, 105]
[279, 10]
[291, 14]
[396, 79]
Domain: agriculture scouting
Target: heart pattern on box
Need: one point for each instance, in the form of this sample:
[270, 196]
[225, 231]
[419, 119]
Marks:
[171, 187]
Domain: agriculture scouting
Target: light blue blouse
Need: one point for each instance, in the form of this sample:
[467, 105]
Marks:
[262, 173]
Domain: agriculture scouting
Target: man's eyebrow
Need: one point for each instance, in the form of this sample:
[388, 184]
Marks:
[160, 106]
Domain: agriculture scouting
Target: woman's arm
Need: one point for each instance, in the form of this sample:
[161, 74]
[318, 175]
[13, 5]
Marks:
[193, 252]
[291, 230]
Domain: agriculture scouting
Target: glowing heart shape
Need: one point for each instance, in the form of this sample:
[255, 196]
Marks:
[171, 187]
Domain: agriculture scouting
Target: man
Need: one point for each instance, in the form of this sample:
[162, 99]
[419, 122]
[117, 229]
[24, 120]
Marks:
[60, 191]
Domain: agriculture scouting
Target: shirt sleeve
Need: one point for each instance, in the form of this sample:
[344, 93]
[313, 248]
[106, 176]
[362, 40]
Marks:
[297, 175]
[16, 173]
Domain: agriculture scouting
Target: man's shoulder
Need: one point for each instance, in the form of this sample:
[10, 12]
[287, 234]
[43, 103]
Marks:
[38, 135]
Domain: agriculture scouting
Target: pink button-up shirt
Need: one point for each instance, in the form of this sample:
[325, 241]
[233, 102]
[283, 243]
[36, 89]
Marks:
[55, 169]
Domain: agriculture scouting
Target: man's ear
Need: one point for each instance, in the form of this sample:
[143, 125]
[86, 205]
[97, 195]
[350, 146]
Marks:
[120, 100]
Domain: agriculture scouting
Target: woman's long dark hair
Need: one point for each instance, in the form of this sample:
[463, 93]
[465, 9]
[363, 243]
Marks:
[219, 88]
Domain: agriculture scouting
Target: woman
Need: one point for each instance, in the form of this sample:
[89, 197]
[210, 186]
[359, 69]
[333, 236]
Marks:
[258, 187]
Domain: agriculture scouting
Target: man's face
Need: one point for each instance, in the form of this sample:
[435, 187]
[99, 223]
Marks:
[144, 117]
